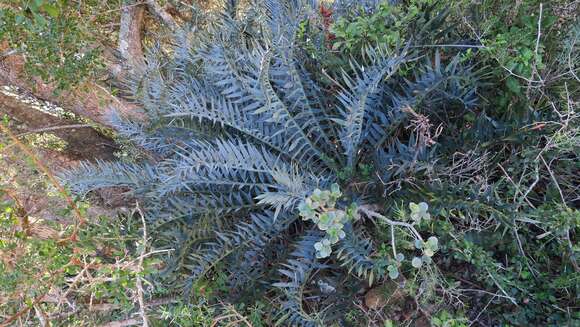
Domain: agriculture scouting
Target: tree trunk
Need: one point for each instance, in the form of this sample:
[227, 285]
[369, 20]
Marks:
[130, 31]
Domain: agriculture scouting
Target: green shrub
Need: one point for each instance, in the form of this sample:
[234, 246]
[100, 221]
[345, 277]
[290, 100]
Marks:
[56, 41]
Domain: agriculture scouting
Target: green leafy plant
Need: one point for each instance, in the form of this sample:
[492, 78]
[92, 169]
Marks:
[58, 45]
[386, 26]
[446, 319]
[320, 208]
[34, 263]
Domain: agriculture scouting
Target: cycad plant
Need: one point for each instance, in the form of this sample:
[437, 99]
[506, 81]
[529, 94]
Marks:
[257, 169]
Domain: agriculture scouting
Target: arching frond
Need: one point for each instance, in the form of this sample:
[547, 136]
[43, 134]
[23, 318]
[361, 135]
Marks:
[255, 234]
[362, 93]
[296, 273]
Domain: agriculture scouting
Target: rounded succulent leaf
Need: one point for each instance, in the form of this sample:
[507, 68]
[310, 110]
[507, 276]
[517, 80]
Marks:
[335, 233]
[417, 262]
[419, 211]
[418, 244]
[316, 195]
[339, 217]
[323, 249]
[335, 191]
[326, 220]
[312, 204]
[352, 212]
[433, 242]
[413, 207]
[400, 257]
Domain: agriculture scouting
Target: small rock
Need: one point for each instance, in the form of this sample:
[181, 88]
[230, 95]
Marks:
[375, 299]
[382, 295]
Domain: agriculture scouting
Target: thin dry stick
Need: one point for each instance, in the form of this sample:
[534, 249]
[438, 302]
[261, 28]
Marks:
[539, 30]
[534, 183]
[122, 323]
[516, 186]
[554, 179]
[75, 280]
[536, 52]
[483, 310]
[570, 60]
[393, 242]
[40, 315]
[139, 282]
[234, 314]
[373, 214]
[501, 289]
[523, 253]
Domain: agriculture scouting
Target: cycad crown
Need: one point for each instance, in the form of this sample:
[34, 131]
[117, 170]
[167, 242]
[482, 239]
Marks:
[240, 131]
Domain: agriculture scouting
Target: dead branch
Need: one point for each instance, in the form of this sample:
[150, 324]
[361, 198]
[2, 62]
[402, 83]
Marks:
[138, 282]
[123, 323]
[162, 14]
[130, 35]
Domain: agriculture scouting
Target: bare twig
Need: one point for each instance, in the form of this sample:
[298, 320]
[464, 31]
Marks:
[539, 29]
[481, 291]
[523, 253]
[554, 179]
[76, 279]
[123, 323]
[8, 53]
[534, 183]
[512, 300]
[468, 46]
[40, 315]
[393, 242]
[234, 314]
[536, 52]
[524, 195]
[571, 249]
[474, 321]
[366, 210]
[139, 283]
[570, 66]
